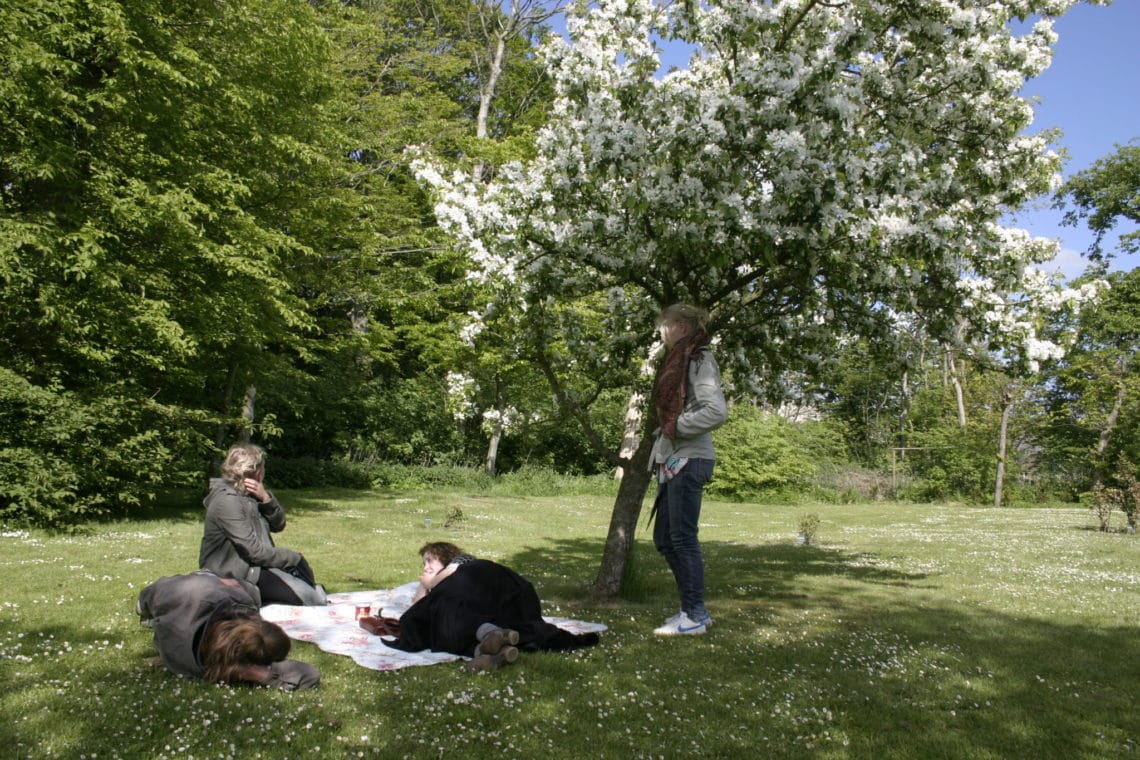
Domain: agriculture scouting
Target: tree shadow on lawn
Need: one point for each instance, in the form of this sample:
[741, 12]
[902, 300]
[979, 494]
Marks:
[902, 675]
[947, 681]
[566, 568]
[908, 673]
[185, 505]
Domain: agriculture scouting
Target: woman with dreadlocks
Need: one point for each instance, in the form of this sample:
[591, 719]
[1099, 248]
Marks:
[690, 405]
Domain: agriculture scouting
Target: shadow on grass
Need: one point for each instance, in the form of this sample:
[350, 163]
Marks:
[566, 568]
[902, 676]
[185, 505]
[816, 652]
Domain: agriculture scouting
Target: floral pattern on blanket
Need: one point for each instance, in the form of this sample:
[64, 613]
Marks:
[334, 628]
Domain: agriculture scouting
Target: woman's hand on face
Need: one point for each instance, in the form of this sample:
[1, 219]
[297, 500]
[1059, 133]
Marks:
[432, 566]
[256, 489]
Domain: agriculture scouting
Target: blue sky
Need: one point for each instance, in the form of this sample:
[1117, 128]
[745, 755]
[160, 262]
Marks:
[1092, 93]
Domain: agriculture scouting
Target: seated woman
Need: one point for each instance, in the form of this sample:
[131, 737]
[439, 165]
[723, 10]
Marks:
[240, 515]
[208, 627]
[480, 609]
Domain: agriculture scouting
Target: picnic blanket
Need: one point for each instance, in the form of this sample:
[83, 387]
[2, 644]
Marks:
[334, 628]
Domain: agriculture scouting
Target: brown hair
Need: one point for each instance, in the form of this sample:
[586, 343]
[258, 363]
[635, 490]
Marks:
[441, 550]
[230, 645]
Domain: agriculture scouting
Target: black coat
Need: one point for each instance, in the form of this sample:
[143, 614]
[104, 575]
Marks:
[481, 592]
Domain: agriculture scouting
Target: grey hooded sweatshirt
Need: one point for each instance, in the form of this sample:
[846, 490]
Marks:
[705, 410]
[180, 607]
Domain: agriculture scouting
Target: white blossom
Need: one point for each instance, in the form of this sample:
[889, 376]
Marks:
[816, 167]
[460, 394]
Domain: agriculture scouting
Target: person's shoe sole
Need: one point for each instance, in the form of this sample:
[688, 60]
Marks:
[485, 662]
[497, 639]
[695, 630]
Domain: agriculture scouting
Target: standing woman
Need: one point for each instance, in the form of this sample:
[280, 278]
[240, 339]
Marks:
[240, 515]
[690, 405]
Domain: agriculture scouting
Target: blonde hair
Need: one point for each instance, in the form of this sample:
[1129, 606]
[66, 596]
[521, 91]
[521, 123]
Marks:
[230, 646]
[244, 461]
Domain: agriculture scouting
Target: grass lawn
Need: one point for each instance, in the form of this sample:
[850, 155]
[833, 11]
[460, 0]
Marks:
[908, 631]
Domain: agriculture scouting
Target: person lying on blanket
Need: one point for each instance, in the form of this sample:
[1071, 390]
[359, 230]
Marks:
[208, 627]
[479, 609]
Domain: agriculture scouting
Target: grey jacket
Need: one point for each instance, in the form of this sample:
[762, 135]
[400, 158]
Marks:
[236, 540]
[705, 410]
[180, 607]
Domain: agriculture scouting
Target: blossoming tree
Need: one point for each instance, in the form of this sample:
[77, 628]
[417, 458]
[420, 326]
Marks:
[821, 169]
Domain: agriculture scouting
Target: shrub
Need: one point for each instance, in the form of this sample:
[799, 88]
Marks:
[809, 524]
[310, 472]
[405, 420]
[851, 483]
[544, 481]
[758, 451]
[949, 462]
[404, 477]
[66, 459]
[454, 516]
[1103, 502]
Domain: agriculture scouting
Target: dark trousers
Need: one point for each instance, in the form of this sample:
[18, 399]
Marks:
[678, 514]
[276, 591]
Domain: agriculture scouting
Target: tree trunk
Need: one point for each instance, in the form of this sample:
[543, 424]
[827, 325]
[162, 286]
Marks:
[493, 448]
[215, 464]
[623, 521]
[491, 84]
[1003, 435]
[904, 413]
[959, 393]
[247, 412]
[1106, 431]
[491, 463]
[632, 428]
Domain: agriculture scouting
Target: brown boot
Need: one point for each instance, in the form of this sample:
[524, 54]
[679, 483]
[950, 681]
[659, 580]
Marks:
[495, 639]
[483, 661]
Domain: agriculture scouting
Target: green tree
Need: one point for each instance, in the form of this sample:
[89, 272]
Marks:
[1094, 394]
[389, 294]
[1105, 195]
[154, 163]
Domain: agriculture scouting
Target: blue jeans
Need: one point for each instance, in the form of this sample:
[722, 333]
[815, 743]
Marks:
[678, 507]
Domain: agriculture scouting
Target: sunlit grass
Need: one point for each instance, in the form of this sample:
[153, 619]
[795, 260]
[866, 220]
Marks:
[904, 631]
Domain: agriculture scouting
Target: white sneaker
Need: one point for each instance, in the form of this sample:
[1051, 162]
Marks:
[672, 619]
[683, 625]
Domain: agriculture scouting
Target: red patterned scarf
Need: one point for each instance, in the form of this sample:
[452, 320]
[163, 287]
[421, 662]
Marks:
[670, 387]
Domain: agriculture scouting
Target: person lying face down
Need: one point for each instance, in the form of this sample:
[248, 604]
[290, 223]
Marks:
[208, 627]
[480, 609]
